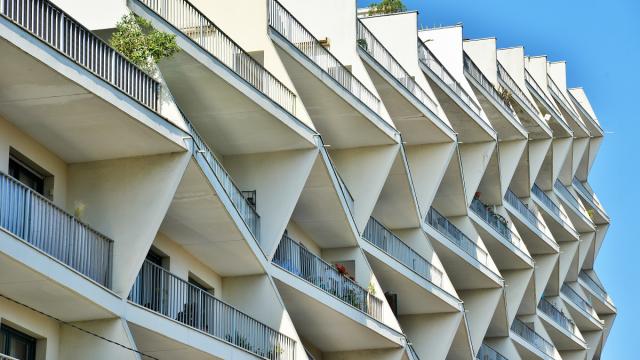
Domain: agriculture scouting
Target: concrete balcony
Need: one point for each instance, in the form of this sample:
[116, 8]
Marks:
[74, 94]
[343, 109]
[568, 112]
[501, 113]
[601, 300]
[319, 297]
[463, 111]
[559, 124]
[583, 313]
[507, 248]
[530, 344]
[43, 246]
[488, 353]
[578, 214]
[562, 330]
[199, 322]
[559, 223]
[527, 112]
[414, 111]
[599, 215]
[229, 96]
[534, 230]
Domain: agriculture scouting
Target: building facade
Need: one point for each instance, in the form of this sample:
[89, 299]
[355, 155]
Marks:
[300, 181]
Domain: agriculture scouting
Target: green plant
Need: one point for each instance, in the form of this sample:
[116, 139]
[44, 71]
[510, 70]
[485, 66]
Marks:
[371, 289]
[386, 7]
[141, 43]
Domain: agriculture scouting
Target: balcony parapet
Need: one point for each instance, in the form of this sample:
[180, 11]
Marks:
[532, 337]
[558, 316]
[553, 208]
[472, 69]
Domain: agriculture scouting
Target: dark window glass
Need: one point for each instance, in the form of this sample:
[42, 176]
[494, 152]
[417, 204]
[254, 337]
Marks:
[26, 175]
[17, 344]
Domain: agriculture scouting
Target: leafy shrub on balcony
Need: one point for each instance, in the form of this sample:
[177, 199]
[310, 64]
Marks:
[386, 7]
[141, 43]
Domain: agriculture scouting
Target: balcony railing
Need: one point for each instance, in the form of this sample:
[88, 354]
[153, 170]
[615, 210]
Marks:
[53, 26]
[586, 193]
[369, 43]
[567, 195]
[36, 220]
[412, 351]
[551, 206]
[497, 223]
[246, 210]
[160, 291]
[299, 261]
[453, 234]
[187, 19]
[585, 112]
[593, 285]
[525, 211]
[378, 235]
[6, 357]
[515, 89]
[558, 316]
[533, 338]
[538, 89]
[579, 301]
[431, 61]
[563, 99]
[488, 353]
[472, 69]
[284, 23]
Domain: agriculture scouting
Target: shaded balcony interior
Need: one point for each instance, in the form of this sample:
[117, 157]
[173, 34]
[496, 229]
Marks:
[580, 308]
[529, 343]
[530, 226]
[343, 109]
[234, 102]
[569, 113]
[554, 216]
[464, 113]
[414, 111]
[548, 108]
[577, 212]
[84, 105]
[560, 327]
[590, 202]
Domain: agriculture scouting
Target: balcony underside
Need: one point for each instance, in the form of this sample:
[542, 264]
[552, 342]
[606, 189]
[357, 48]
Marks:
[560, 337]
[33, 278]
[526, 350]
[561, 232]
[470, 128]
[583, 320]
[417, 123]
[325, 321]
[320, 211]
[465, 272]
[534, 125]
[416, 295]
[207, 225]
[536, 242]
[56, 101]
[505, 254]
[148, 328]
[504, 122]
[342, 119]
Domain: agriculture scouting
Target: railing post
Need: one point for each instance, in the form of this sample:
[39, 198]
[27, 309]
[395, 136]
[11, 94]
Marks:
[61, 33]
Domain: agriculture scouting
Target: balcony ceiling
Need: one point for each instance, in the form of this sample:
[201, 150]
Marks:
[69, 120]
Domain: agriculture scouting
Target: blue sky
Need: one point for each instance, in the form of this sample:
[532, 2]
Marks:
[600, 40]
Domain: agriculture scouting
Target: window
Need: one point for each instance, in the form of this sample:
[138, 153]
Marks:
[16, 344]
[30, 174]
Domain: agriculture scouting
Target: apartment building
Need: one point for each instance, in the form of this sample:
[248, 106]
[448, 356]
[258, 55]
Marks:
[300, 181]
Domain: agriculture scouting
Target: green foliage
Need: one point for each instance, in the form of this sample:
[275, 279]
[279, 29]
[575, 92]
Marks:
[141, 43]
[387, 7]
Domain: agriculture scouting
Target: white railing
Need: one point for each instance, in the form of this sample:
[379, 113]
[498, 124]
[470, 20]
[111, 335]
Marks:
[542, 95]
[285, 24]
[532, 337]
[563, 99]
[48, 23]
[553, 208]
[515, 89]
[36, 220]
[472, 69]
[187, 19]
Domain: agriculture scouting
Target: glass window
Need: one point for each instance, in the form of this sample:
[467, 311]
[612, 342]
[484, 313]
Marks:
[17, 344]
[26, 175]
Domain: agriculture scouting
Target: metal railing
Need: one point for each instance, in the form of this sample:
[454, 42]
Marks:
[36, 220]
[515, 89]
[567, 195]
[187, 19]
[284, 23]
[538, 89]
[369, 43]
[525, 211]
[498, 224]
[563, 99]
[585, 112]
[378, 235]
[431, 61]
[412, 351]
[593, 285]
[472, 69]
[53, 26]
[532, 337]
[453, 234]
[579, 301]
[488, 353]
[299, 261]
[557, 316]
[586, 193]
[247, 211]
[160, 291]
[3, 356]
[551, 205]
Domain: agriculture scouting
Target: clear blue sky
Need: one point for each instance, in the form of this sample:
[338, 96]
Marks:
[600, 40]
